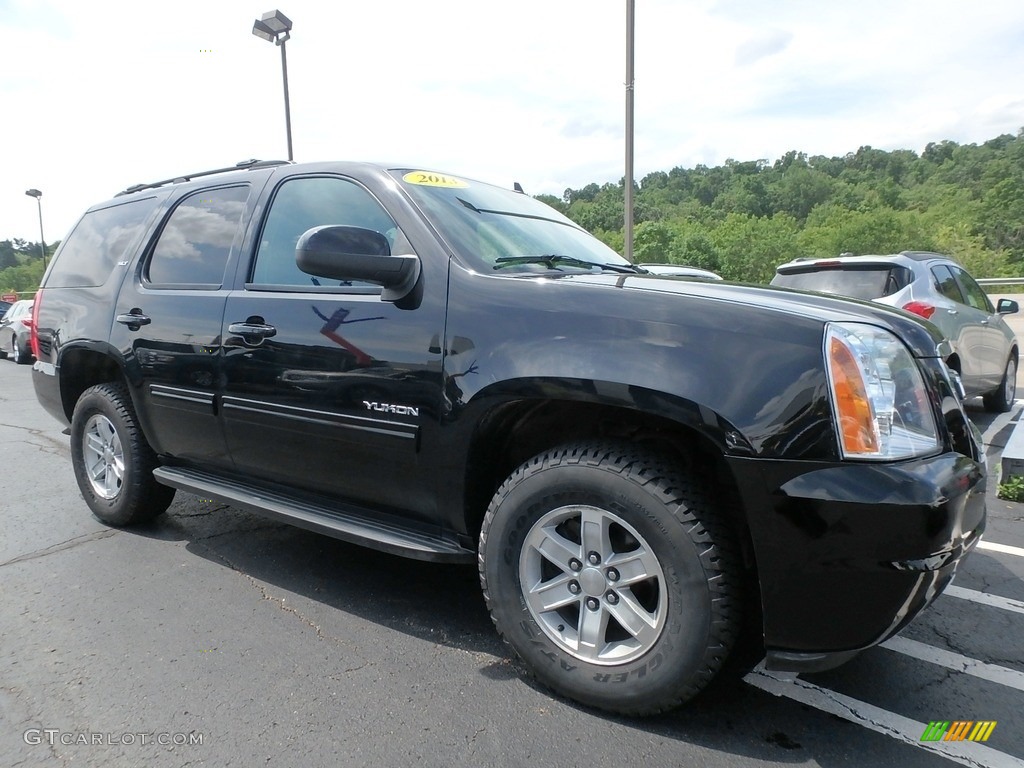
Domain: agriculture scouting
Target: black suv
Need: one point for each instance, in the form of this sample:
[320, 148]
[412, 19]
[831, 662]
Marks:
[447, 370]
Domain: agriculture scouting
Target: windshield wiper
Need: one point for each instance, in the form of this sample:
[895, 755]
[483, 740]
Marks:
[554, 260]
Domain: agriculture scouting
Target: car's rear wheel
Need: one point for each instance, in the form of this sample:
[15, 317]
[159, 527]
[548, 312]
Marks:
[1001, 400]
[113, 462]
[612, 576]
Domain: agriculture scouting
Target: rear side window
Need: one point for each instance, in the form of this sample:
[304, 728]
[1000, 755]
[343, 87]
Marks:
[868, 282]
[98, 242]
[194, 246]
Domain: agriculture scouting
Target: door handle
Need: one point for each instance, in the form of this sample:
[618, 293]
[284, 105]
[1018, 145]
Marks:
[259, 330]
[134, 319]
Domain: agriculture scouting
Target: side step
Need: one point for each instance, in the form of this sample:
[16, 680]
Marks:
[341, 521]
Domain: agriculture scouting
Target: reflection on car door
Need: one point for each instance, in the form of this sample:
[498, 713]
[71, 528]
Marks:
[168, 322]
[327, 388]
[990, 343]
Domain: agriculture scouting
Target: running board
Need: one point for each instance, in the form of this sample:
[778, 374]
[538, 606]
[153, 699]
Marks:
[341, 521]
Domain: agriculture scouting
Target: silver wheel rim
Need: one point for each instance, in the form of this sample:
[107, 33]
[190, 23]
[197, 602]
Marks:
[15, 352]
[593, 584]
[1010, 385]
[103, 455]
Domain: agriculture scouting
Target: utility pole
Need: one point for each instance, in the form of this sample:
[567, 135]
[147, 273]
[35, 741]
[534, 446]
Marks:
[628, 230]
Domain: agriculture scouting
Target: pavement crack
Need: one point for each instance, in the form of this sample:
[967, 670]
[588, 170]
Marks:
[234, 532]
[61, 445]
[61, 547]
[280, 602]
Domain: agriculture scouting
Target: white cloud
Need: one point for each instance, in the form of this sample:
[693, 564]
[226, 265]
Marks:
[105, 94]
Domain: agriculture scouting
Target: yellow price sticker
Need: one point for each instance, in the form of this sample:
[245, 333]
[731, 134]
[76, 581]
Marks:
[428, 179]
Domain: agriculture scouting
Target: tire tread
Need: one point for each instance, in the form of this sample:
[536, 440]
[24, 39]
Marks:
[717, 549]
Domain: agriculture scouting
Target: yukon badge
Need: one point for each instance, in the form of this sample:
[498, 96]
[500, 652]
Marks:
[403, 410]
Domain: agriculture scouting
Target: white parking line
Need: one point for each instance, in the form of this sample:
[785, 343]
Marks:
[998, 423]
[880, 720]
[1004, 548]
[996, 601]
[1011, 678]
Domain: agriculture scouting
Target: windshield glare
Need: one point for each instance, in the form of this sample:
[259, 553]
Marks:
[484, 224]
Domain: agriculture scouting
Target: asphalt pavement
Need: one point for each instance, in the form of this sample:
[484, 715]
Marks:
[214, 637]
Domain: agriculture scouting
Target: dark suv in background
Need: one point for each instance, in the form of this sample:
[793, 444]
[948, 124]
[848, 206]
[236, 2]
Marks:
[446, 370]
[984, 348]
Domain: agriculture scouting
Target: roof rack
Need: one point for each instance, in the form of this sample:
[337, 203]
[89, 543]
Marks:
[246, 165]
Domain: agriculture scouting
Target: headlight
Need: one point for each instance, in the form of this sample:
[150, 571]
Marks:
[878, 394]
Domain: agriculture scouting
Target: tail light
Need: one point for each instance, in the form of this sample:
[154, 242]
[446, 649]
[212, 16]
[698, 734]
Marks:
[36, 304]
[920, 308]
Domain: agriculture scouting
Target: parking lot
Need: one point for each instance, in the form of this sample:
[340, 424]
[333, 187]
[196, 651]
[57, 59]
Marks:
[215, 637]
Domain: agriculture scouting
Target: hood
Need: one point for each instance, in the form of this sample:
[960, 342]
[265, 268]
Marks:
[921, 336]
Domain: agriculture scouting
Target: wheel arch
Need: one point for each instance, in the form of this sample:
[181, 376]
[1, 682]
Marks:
[86, 365]
[512, 429]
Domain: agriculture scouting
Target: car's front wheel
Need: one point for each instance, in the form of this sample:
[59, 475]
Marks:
[1001, 400]
[612, 576]
[113, 462]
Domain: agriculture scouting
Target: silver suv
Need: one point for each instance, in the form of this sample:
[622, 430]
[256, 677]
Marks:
[938, 289]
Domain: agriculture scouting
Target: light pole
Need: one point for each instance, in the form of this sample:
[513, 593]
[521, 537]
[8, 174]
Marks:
[630, 18]
[275, 27]
[42, 240]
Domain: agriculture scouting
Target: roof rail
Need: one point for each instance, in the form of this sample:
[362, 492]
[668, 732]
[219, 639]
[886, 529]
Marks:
[245, 165]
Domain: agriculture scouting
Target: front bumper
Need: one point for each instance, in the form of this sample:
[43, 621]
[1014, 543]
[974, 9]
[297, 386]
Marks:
[847, 554]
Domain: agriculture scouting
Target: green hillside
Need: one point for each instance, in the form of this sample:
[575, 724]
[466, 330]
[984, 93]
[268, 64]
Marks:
[741, 219]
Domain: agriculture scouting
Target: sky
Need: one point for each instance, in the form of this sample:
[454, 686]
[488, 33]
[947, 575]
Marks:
[98, 95]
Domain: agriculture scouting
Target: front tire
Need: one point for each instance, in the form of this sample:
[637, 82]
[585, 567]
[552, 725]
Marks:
[113, 462]
[612, 576]
[1001, 400]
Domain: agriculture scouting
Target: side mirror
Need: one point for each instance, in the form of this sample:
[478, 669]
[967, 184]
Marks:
[1007, 307]
[354, 253]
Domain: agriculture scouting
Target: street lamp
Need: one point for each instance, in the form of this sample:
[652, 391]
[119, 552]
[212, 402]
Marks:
[42, 240]
[275, 27]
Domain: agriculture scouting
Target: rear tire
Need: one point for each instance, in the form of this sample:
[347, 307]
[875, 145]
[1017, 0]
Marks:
[612, 576]
[20, 354]
[1001, 400]
[113, 462]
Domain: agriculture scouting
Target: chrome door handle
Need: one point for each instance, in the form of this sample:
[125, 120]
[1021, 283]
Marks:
[260, 330]
[134, 319]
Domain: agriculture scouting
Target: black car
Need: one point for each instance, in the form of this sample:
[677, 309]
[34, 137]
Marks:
[450, 371]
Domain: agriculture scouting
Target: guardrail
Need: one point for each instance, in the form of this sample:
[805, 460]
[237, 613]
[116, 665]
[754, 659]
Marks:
[1000, 281]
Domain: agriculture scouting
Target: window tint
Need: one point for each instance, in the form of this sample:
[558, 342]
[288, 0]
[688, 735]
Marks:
[871, 282]
[975, 294]
[301, 204]
[196, 241]
[98, 242]
[945, 283]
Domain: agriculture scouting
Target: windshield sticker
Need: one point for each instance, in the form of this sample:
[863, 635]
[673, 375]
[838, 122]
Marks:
[433, 180]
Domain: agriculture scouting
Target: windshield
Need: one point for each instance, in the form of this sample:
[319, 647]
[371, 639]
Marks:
[504, 232]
